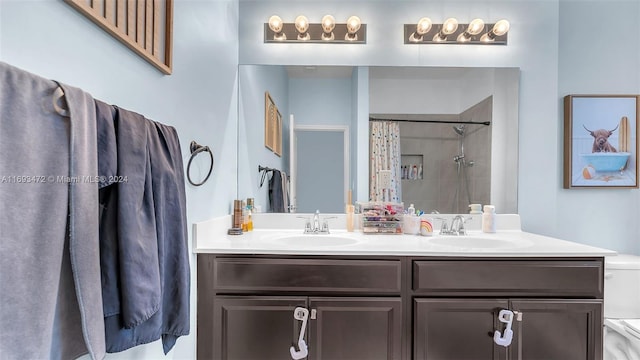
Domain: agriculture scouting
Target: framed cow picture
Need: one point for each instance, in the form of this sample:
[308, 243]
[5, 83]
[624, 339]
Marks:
[601, 141]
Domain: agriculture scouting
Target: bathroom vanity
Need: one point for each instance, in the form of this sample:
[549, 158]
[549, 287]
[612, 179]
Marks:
[398, 297]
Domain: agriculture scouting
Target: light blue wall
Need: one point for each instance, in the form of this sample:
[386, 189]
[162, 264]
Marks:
[50, 39]
[324, 101]
[598, 64]
[254, 81]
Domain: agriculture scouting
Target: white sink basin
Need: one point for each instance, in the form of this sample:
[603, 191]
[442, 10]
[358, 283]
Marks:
[311, 240]
[475, 242]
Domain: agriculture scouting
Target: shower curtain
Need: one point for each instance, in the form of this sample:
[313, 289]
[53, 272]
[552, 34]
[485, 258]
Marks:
[384, 154]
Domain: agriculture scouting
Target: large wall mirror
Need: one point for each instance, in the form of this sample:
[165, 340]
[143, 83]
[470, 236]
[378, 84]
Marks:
[459, 125]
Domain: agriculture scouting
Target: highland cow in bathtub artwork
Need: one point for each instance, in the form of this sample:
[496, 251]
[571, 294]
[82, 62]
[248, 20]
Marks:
[601, 141]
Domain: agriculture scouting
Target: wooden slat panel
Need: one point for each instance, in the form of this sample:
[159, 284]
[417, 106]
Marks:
[131, 19]
[121, 21]
[156, 27]
[98, 7]
[148, 26]
[109, 14]
[143, 31]
[140, 23]
[168, 34]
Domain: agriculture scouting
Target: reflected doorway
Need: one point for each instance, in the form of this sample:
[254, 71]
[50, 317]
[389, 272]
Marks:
[322, 168]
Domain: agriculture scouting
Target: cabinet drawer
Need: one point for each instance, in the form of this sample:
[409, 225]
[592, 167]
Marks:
[570, 278]
[255, 275]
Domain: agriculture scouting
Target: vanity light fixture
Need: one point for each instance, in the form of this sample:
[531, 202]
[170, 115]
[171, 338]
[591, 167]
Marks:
[327, 31]
[450, 32]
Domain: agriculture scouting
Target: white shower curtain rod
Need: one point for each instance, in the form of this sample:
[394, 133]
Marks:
[436, 121]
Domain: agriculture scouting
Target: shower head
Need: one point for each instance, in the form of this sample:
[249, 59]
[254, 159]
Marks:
[459, 129]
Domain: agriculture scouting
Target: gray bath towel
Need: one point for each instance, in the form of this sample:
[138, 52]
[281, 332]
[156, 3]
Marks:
[143, 233]
[50, 296]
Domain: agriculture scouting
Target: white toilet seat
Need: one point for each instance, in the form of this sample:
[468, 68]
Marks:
[619, 343]
[632, 326]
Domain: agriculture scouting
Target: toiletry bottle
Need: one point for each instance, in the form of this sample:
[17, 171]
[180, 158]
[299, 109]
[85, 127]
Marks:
[245, 219]
[237, 214]
[350, 210]
[411, 210]
[249, 221]
[420, 172]
[489, 219]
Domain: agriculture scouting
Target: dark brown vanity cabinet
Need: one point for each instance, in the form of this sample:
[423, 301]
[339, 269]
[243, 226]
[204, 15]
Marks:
[363, 308]
[453, 328]
[557, 307]
[246, 308]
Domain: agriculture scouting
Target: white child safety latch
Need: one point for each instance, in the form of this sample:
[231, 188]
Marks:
[302, 314]
[504, 339]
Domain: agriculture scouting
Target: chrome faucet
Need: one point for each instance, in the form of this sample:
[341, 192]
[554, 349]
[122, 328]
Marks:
[456, 228]
[313, 226]
[316, 221]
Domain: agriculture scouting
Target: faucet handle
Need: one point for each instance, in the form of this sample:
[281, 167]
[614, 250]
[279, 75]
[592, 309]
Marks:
[307, 224]
[325, 223]
[444, 228]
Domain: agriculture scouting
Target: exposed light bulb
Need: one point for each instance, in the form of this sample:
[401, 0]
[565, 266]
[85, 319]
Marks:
[500, 28]
[424, 25]
[302, 25]
[276, 25]
[449, 26]
[328, 24]
[475, 27]
[353, 25]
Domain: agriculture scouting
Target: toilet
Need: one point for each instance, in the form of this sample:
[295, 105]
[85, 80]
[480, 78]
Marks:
[622, 307]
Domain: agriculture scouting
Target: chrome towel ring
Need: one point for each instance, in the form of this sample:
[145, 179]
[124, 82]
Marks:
[195, 150]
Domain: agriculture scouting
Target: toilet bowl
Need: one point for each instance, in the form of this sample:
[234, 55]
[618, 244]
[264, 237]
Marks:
[622, 308]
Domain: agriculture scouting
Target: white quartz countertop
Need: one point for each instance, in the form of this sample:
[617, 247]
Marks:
[277, 236]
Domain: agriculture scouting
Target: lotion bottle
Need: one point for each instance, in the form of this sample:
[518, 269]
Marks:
[489, 219]
[349, 212]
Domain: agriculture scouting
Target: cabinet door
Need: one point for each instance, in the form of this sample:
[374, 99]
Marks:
[255, 327]
[461, 329]
[557, 329]
[355, 328]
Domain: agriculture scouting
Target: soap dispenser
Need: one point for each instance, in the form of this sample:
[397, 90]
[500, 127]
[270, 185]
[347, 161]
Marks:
[489, 219]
